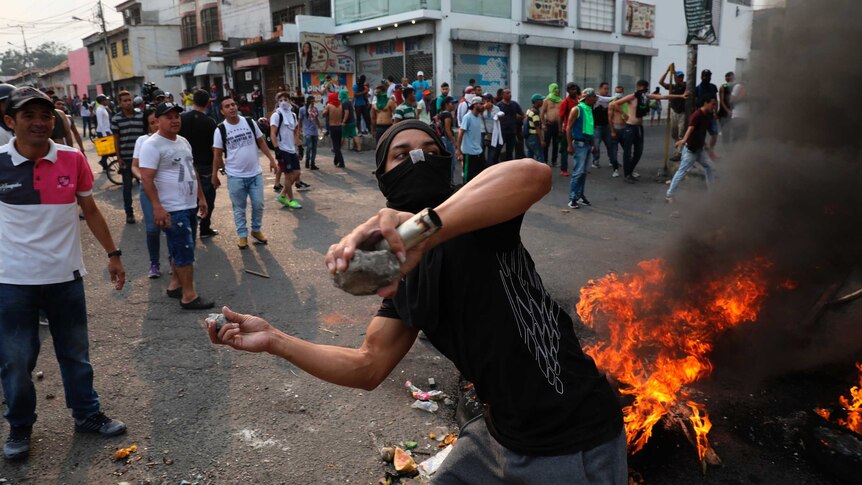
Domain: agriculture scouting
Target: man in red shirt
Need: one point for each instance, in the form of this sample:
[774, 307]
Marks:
[574, 92]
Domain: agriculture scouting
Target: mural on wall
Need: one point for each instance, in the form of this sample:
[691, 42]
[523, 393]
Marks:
[325, 53]
[549, 12]
[316, 84]
[640, 19]
[487, 63]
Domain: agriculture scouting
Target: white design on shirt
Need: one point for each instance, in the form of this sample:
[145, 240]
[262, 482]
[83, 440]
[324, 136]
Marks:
[538, 321]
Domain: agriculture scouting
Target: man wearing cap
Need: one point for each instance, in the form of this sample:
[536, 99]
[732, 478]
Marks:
[171, 184]
[473, 289]
[6, 133]
[421, 85]
[407, 109]
[103, 123]
[127, 125]
[535, 138]
[573, 92]
[579, 135]
[42, 268]
[464, 104]
[677, 109]
[468, 147]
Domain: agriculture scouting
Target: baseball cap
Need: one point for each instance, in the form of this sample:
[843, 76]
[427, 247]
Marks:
[427, 92]
[157, 93]
[101, 98]
[448, 99]
[420, 73]
[138, 100]
[468, 89]
[165, 108]
[679, 73]
[587, 92]
[23, 95]
[398, 87]
[475, 100]
[488, 96]
[706, 72]
[537, 97]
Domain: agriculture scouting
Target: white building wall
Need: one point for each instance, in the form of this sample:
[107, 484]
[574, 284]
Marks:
[246, 18]
[154, 50]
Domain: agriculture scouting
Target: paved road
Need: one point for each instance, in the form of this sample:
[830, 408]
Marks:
[197, 412]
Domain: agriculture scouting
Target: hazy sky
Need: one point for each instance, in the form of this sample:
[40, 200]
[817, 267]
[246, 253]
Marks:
[51, 20]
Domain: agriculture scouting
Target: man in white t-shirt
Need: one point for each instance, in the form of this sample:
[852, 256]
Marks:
[283, 125]
[103, 123]
[235, 144]
[171, 184]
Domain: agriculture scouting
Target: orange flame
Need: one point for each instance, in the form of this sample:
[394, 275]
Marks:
[701, 425]
[659, 339]
[852, 406]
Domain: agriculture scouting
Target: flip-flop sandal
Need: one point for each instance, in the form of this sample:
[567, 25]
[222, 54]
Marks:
[197, 304]
[175, 293]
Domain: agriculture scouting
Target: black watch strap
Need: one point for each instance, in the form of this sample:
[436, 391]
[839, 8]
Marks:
[115, 253]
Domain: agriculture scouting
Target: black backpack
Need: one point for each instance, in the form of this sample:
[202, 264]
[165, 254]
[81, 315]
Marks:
[223, 130]
[267, 135]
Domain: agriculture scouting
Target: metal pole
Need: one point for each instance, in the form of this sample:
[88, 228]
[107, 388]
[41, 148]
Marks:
[107, 52]
[690, 74]
[665, 171]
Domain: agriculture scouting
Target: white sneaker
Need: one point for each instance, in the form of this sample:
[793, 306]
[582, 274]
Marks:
[636, 175]
[595, 164]
[616, 173]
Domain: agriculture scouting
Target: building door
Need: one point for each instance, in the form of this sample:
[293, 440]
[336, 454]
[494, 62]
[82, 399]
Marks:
[536, 72]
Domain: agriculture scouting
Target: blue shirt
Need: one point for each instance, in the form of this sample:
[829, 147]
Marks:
[359, 100]
[471, 142]
[420, 87]
[309, 125]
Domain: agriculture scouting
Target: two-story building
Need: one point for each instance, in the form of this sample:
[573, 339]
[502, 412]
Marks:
[139, 51]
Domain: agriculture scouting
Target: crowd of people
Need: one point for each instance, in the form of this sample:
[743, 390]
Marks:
[467, 146]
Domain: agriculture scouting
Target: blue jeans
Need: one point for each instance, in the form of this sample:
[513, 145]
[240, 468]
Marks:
[689, 158]
[310, 149]
[534, 148]
[602, 134]
[241, 189]
[454, 165]
[181, 236]
[66, 310]
[579, 169]
[87, 128]
[153, 231]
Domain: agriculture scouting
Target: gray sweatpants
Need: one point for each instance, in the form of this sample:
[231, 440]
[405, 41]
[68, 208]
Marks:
[478, 458]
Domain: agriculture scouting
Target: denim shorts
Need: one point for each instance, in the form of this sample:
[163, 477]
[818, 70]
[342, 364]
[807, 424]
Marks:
[181, 236]
[287, 162]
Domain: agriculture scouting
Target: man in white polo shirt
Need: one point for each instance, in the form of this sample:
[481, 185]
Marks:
[242, 165]
[171, 183]
[42, 268]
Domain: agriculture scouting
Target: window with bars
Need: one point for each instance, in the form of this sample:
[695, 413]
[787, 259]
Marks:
[596, 15]
[125, 47]
[189, 30]
[113, 49]
[287, 15]
[92, 57]
[209, 24]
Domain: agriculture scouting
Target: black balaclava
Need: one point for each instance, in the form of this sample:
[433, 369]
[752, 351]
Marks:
[418, 182]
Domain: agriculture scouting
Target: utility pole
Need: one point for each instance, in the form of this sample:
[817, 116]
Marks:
[107, 52]
[691, 79]
[26, 49]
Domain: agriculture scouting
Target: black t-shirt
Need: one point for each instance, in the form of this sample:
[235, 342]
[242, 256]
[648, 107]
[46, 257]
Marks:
[704, 90]
[600, 115]
[481, 303]
[677, 105]
[509, 123]
[700, 121]
[198, 129]
[443, 115]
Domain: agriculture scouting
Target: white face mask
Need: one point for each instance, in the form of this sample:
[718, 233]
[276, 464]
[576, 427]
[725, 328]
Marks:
[283, 105]
[469, 96]
[255, 88]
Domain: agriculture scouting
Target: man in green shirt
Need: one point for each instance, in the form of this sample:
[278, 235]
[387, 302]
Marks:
[407, 109]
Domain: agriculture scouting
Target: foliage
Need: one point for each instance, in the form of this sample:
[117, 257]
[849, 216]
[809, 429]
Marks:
[45, 56]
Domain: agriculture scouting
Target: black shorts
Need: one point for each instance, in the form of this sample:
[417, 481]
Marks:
[287, 162]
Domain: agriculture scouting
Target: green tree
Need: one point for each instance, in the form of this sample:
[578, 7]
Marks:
[44, 56]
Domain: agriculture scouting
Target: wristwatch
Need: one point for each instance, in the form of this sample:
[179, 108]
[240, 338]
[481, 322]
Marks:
[115, 253]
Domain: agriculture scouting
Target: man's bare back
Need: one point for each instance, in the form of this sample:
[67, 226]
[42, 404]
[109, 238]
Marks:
[335, 113]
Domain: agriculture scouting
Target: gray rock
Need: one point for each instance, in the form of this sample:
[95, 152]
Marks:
[368, 272]
[219, 320]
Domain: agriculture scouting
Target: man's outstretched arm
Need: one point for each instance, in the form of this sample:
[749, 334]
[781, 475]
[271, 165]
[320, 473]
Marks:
[386, 342]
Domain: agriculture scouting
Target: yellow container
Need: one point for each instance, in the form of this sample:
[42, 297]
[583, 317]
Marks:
[105, 146]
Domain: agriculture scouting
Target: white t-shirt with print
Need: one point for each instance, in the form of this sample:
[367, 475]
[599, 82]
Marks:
[176, 179]
[285, 131]
[138, 144]
[242, 157]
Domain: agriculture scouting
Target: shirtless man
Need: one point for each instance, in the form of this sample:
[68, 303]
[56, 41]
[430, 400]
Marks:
[335, 114]
[633, 133]
[381, 111]
[550, 116]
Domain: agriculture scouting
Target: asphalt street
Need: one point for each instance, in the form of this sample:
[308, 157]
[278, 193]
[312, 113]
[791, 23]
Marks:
[214, 415]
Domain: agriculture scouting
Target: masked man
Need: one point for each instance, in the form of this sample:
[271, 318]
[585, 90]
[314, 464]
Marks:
[550, 416]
